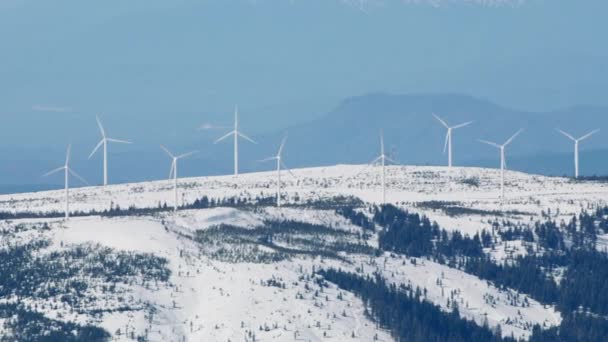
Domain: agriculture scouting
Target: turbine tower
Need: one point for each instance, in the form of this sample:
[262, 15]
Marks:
[67, 171]
[236, 135]
[576, 144]
[448, 137]
[280, 163]
[173, 172]
[503, 160]
[104, 142]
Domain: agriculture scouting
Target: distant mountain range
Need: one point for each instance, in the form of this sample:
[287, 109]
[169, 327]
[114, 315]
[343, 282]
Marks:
[350, 134]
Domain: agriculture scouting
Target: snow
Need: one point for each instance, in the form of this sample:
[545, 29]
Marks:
[136, 234]
[527, 196]
[477, 299]
[201, 219]
[602, 243]
[216, 297]
[212, 300]
[509, 250]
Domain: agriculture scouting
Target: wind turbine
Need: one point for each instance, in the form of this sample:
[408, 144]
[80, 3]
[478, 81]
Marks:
[576, 143]
[280, 163]
[173, 172]
[503, 160]
[382, 158]
[236, 135]
[67, 171]
[448, 137]
[104, 141]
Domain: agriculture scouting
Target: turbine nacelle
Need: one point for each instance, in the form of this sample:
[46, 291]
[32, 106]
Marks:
[172, 172]
[279, 157]
[236, 134]
[503, 159]
[104, 142]
[505, 144]
[577, 140]
[236, 130]
[67, 172]
[447, 146]
[576, 145]
[382, 156]
[105, 139]
[280, 164]
[66, 167]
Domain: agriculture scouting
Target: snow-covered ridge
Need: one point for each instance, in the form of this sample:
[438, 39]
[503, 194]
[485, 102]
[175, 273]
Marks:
[476, 188]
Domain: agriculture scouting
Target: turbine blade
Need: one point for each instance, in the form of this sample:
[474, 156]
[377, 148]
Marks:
[566, 134]
[588, 135]
[96, 148]
[210, 126]
[186, 154]
[445, 124]
[54, 171]
[119, 141]
[288, 170]
[282, 145]
[103, 132]
[73, 173]
[373, 162]
[489, 143]
[67, 155]
[167, 151]
[513, 137]
[462, 125]
[447, 138]
[236, 117]
[224, 137]
[205, 126]
[246, 137]
[172, 169]
[381, 142]
[391, 160]
[267, 159]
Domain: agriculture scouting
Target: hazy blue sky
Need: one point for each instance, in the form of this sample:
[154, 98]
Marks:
[155, 70]
[183, 56]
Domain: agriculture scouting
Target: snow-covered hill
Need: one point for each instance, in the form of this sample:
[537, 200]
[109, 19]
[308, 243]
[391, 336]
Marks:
[527, 196]
[233, 283]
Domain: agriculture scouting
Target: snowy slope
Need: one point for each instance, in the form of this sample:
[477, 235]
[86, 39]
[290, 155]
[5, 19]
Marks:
[215, 300]
[210, 300]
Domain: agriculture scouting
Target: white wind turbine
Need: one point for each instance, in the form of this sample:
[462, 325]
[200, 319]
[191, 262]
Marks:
[576, 143]
[503, 160]
[383, 159]
[279, 159]
[173, 172]
[448, 137]
[67, 171]
[236, 135]
[104, 141]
